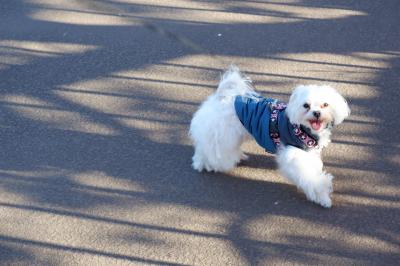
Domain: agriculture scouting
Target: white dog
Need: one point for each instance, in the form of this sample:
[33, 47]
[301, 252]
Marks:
[296, 132]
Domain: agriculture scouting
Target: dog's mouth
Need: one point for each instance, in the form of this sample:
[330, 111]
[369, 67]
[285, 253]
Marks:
[315, 124]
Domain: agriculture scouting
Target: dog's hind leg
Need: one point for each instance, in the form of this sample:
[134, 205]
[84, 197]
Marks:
[198, 160]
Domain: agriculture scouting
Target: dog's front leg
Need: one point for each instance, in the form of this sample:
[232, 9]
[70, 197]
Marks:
[304, 169]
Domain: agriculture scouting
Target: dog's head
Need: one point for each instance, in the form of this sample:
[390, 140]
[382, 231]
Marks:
[317, 107]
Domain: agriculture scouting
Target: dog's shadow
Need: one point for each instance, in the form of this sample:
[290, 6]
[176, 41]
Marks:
[265, 193]
[259, 161]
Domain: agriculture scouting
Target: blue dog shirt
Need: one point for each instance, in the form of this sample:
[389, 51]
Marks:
[266, 121]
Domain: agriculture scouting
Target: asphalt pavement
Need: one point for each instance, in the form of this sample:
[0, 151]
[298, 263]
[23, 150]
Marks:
[96, 101]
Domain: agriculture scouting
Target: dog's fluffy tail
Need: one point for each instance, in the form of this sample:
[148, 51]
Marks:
[215, 129]
[234, 83]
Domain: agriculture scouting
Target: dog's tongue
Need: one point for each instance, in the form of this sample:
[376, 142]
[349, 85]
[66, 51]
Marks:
[315, 124]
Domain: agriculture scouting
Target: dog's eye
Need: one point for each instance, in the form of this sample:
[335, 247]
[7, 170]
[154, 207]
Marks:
[306, 105]
[325, 105]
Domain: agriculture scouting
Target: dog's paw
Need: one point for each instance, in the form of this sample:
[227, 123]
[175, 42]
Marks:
[324, 200]
[323, 191]
[199, 166]
[320, 195]
[244, 157]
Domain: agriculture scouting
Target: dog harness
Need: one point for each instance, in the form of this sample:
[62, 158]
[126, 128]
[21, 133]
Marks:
[266, 121]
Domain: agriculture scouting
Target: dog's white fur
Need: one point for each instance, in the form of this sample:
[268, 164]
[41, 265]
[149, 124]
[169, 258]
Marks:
[217, 133]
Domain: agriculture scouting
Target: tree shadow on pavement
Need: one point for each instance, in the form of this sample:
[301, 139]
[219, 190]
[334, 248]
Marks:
[32, 145]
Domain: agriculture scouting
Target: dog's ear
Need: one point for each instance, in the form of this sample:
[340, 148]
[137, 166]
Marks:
[295, 93]
[341, 108]
[294, 103]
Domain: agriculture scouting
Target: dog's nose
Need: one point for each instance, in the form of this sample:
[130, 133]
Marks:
[317, 114]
